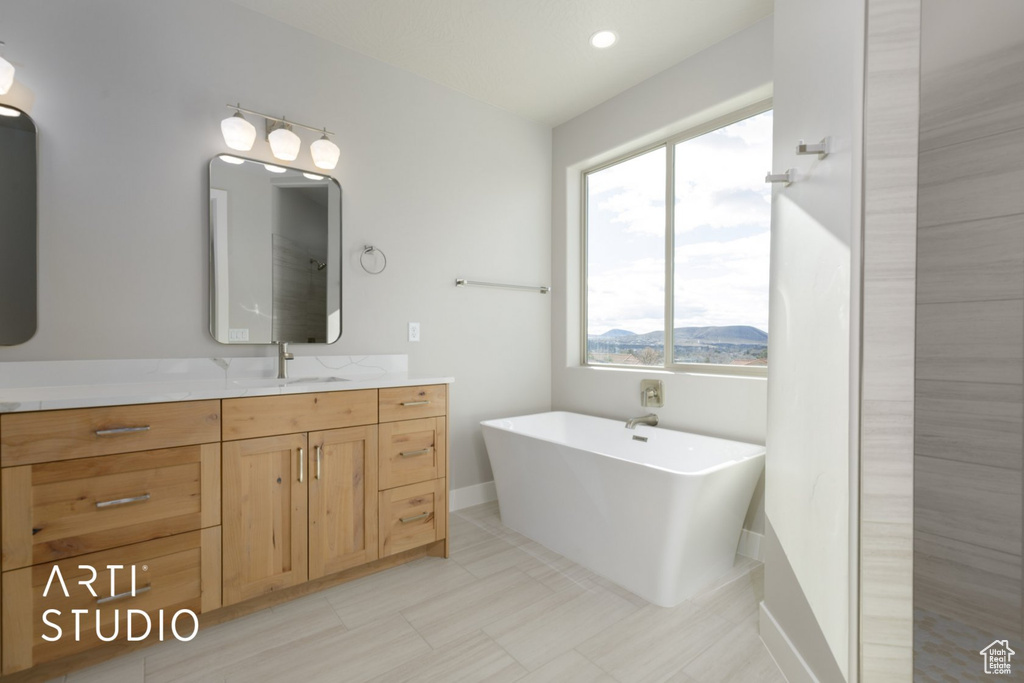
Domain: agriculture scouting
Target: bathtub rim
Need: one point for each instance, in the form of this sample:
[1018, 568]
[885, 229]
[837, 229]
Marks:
[760, 453]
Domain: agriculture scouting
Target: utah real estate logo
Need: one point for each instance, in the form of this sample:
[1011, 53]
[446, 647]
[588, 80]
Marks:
[997, 657]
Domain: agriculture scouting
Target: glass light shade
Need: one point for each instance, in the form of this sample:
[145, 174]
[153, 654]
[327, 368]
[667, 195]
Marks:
[6, 76]
[313, 176]
[7, 111]
[231, 160]
[274, 169]
[238, 133]
[325, 153]
[284, 144]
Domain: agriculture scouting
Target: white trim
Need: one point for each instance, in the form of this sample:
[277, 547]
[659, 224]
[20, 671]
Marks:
[468, 496]
[780, 647]
[750, 545]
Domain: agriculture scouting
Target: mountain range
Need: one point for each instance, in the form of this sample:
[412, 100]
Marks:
[686, 336]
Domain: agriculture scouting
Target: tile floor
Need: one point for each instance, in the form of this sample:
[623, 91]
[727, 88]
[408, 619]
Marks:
[503, 608]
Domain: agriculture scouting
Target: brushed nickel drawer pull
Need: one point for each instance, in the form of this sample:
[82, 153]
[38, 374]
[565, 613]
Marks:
[415, 403]
[302, 467]
[118, 431]
[318, 450]
[122, 596]
[406, 520]
[409, 454]
[122, 501]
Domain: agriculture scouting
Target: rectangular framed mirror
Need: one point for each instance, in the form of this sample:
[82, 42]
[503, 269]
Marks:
[275, 236]
[18, 207]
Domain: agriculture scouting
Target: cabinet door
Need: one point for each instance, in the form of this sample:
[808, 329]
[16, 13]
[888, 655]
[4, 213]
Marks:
[264, 515]
[342, 499]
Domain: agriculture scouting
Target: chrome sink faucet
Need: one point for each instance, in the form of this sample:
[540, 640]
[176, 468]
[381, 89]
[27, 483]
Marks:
[649, 419]
[283, 356]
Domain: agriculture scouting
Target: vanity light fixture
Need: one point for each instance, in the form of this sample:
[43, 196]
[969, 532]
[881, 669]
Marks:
[284, 143]
[7, 111]
[6, 74]
[313, 176]
[603, 39]
[231, 160]
[274, 169]
[238, 133]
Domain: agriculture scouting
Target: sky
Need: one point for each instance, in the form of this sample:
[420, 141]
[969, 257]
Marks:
[722, 213]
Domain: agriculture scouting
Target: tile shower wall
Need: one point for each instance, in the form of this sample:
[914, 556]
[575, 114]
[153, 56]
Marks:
[969, 449]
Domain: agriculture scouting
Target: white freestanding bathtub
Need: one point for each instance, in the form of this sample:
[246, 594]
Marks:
[659, 514]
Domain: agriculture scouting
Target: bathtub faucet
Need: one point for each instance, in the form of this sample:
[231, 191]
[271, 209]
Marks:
[649, 419]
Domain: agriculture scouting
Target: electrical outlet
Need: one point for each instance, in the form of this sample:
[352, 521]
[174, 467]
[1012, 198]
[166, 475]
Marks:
[414, 332]
[238, 334]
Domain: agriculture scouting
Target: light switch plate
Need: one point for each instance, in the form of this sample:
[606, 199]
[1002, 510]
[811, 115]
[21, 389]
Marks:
[238, 334]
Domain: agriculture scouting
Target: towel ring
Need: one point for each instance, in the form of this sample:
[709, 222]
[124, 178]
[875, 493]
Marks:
[369, 249]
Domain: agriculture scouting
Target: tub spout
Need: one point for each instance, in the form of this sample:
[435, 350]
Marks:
[649, 419]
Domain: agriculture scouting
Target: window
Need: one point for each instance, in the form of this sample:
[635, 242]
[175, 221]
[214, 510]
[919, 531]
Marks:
[676, 245]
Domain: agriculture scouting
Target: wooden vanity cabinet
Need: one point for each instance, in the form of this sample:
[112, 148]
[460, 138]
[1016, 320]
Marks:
[413, 468]
[297, 507]
[300, 506]
[124, 486]
[214, 503]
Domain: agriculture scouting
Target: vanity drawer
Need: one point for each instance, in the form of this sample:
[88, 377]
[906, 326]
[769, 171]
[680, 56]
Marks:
[62, 509]
[27, 438]
[411, 516]
[168, 577]
[247, 418]
[411, 451]
[410, 403]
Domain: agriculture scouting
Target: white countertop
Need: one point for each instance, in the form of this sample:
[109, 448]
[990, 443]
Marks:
[53, 385]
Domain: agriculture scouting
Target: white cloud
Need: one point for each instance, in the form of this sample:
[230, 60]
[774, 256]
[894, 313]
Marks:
[719, 185]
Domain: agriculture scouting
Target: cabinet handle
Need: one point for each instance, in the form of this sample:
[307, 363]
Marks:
[121, 501]
[122, 596]
[302, 467]
[118, 431]
[406, 520]
[409, 454]
[415, 403]
[318, 451]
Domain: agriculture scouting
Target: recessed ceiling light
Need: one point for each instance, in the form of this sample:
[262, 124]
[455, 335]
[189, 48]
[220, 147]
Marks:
[603, 39]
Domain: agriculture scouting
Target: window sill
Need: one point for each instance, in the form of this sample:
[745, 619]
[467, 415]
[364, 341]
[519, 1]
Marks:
[743, 372]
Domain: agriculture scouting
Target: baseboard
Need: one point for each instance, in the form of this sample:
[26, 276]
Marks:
[468, 496]
[750, 545]
[780, 647]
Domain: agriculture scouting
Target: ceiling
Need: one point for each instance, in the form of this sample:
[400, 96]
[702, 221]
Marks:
[530, 57]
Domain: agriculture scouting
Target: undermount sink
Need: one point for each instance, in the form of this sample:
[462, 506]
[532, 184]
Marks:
[274, 382]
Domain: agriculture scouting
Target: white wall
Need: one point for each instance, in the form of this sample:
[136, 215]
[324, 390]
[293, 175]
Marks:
[128, 97]
[728, 76]
[814, 293]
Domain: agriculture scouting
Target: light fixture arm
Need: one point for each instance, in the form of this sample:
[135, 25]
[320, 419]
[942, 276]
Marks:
[281, 120]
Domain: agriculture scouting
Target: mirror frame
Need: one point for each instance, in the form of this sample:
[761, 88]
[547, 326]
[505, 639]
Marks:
[334, 328]
[20, 291]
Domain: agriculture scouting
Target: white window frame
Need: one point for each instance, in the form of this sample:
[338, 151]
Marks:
[670, 162]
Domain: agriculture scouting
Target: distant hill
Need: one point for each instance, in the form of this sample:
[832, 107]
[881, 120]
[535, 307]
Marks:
[688, 336]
